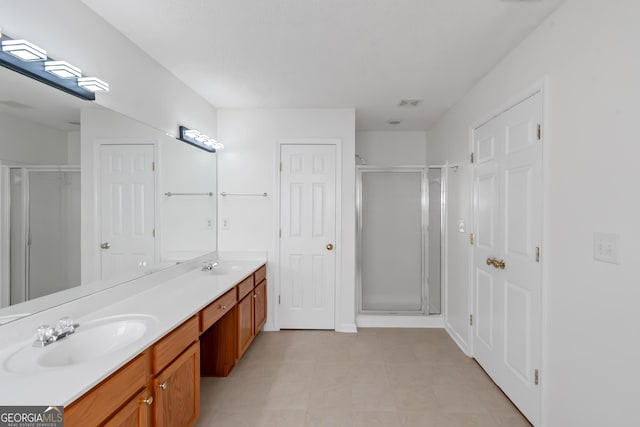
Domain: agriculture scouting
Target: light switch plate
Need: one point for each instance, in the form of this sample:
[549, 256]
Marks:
[606, 247]
[225, 223]
[462, 227]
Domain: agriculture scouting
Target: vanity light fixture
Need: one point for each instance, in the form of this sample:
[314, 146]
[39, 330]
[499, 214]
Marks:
[198, 139]
[23, 50]
[93, 84]
[30, 60]
[62, 69]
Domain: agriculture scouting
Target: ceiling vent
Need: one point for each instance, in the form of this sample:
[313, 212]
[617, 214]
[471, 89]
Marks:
[409, 102]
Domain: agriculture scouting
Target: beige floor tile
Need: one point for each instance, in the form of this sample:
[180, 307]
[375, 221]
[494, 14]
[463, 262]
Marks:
[415, 397]
[377, 377]
[337, 398]
[376, 419]
[291, 396]
[368, 398]
[281, 418]
[329, 419]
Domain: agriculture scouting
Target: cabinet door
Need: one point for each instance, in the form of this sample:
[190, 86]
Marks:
[260, 297]
[177, 391]
[136, 413]
[245, 324]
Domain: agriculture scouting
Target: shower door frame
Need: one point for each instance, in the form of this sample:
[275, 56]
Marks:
[360, 170]
[5, 225]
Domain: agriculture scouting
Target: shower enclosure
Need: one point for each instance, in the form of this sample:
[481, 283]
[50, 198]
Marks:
[44, 230]
[400, 212]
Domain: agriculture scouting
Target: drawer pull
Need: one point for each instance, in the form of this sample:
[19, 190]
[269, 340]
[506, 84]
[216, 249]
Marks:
[148, 401]
[164, 385]
[223, 306]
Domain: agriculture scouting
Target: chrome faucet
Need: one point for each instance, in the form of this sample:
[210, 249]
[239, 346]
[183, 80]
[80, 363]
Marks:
[208, 265]
[47, 335]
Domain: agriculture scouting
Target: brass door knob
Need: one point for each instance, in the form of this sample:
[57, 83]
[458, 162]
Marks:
[105, 245]
[499, 264]
[329, 247]
[148, 400]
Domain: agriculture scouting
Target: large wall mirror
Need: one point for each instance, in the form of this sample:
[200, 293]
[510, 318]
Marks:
[83, 202]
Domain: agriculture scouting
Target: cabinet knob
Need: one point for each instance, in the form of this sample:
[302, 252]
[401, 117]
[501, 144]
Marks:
[164, 385]
[222, 306]
[255, 296]
[105, 245]
[148, 400]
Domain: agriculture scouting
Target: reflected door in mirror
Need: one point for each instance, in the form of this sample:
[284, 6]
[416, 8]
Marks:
[127, 210]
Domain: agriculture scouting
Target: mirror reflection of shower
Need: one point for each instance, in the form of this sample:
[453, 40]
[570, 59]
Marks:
[44, 230]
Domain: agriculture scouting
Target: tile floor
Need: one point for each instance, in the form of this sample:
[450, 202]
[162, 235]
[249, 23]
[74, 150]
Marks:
[377, 377]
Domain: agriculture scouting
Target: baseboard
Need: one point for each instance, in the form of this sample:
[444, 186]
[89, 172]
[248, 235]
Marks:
[457, 339]
[379, 321]
[349, 328]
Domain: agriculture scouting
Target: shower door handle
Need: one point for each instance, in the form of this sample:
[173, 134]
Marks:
[105, 245]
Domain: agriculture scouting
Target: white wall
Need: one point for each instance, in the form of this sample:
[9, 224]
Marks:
[392, 148]
[181, 221]
[23, 141]
[588, 50]
[140, 87]
[248, 164]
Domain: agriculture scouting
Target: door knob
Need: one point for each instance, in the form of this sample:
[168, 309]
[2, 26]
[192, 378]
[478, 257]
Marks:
[329, 247]
[105, 245]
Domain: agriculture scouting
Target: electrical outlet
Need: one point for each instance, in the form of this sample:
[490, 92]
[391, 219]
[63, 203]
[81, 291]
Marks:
[225, 223]
[606, 247]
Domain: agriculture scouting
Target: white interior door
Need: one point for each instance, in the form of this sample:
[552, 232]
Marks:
[508, 218]
[127, 210]
[308, 230]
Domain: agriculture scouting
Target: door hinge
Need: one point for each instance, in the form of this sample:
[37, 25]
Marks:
[471, 239]
[471, 319]
[280, 166]
[278, 299]
[472, 158]
[153, 232]
[280, 233]
[537, 254]
[539, 132]
[536, 377]
[153, 166]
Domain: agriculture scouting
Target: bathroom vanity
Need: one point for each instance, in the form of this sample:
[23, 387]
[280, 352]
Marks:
[138, 361]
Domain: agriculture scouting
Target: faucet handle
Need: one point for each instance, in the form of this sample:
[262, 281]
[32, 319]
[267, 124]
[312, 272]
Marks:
[44, 332]
[65, 324]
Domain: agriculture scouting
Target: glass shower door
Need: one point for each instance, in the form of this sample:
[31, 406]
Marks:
[391, 215]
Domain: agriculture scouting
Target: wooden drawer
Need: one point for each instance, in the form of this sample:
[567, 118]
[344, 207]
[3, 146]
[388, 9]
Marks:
[260, 274]
[170, 347]
[95, 406]
[214, 311]
[245, 287]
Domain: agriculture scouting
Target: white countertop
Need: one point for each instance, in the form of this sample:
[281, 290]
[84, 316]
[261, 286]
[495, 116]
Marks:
[169, 297]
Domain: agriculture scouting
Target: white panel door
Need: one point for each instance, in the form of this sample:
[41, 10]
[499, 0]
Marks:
[308, 230]
[508, 218]
[127, 200]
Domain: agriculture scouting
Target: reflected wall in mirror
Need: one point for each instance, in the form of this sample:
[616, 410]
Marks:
[82, 198]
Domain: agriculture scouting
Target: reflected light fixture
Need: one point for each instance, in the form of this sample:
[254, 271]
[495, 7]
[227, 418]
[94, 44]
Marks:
[24, 50]
[93, 84]
[30, 60]
[62, 69]
[200, 140]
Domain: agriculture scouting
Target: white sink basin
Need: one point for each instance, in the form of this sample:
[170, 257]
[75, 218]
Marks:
[92, 340]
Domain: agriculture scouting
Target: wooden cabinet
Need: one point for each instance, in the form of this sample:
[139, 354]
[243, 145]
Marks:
[161, 386]
[136, 413]
[245, 323]
[177, 391]
[260, 304]
[102, 402]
